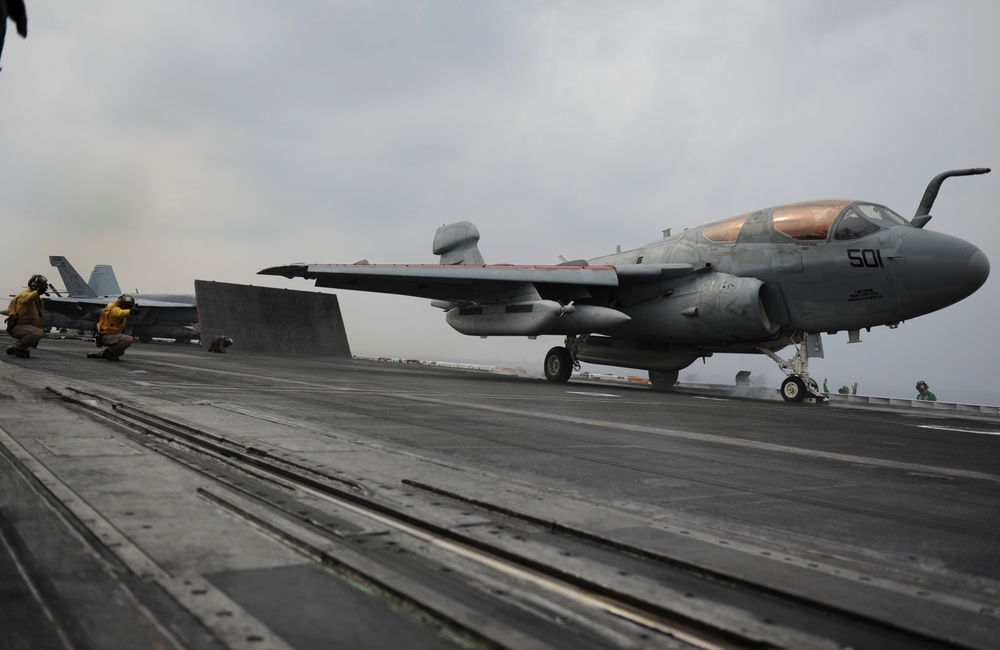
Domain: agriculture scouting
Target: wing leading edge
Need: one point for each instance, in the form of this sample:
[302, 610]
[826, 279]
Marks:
[468, 283]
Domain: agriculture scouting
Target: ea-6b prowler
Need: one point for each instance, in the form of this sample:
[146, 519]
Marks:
[754, 283]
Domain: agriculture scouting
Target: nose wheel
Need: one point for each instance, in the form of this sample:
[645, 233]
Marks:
[796, 389]
[798, 386]
[793, 389]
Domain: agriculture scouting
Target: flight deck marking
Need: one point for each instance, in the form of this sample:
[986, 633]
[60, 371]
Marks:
[960, 429]
[312, 384]
[580, 392]
[709, 437]
[659, 431]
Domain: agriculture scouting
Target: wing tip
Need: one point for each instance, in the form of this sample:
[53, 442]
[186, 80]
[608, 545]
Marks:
[297, 270]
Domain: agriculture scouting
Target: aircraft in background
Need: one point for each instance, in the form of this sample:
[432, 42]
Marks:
[104, 283]
[754, 283]
[166, 316]
[76, 287]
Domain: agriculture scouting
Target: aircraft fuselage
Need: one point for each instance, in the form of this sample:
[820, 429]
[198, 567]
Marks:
[752, 280]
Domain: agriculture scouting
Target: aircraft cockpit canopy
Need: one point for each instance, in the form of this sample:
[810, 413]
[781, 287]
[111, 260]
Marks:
[862, 219]
[812, 221]
[726, 231]
[806, 221]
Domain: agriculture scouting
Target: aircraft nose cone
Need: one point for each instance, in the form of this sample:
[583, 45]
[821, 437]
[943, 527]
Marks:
[979, 270]
[936, 270]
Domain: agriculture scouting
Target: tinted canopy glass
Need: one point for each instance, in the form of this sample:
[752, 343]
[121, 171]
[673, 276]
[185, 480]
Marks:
[724, 231]
[862, 219]
[807, 221]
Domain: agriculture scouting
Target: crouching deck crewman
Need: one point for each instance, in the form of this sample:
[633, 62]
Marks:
[111, 326]
[220, 343]
[24, 317]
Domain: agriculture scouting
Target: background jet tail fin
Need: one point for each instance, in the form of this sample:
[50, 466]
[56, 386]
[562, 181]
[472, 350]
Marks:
[457, 243]
[103, 281]
[75, 286]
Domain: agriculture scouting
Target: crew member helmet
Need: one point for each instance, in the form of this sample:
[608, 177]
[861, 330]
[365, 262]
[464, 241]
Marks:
[125, 301]
[36, 280]
[921, 383]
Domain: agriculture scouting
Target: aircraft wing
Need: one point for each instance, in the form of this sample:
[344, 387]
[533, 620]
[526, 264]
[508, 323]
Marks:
[149, 310]
[75, 307]
[460, 282]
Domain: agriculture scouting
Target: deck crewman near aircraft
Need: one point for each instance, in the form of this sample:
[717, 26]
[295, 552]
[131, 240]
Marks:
[111, 327]
[24, 317]
[220, 343]
[924, 393]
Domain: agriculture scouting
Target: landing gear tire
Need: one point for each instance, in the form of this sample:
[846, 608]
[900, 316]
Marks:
[663, 380]
[793, 389]
[558, 365]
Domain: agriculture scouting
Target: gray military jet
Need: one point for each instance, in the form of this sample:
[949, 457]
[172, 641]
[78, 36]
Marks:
[161, 315]
[754, 283]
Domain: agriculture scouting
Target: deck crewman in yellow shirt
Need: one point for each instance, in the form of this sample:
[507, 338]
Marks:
[24, 317]
[111, 326]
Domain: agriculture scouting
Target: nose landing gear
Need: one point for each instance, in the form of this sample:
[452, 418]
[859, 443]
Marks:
[796, 389]
[799, 386]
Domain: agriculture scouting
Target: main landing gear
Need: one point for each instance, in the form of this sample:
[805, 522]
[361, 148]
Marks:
[560, 362]
[798, 386]
[662, 380]
[559, 365]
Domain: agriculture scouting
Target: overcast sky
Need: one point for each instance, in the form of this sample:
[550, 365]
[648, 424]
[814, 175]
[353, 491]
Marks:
[207, 140]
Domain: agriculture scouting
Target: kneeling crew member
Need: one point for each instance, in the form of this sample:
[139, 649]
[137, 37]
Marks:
[220, 343]
[24, 317]
[111, 326]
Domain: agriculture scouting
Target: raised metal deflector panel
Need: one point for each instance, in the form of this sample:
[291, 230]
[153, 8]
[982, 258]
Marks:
[261, 319]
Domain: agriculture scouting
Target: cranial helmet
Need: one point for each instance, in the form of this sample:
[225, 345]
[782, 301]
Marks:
[125, 301]
[921, 383]
[36, 279]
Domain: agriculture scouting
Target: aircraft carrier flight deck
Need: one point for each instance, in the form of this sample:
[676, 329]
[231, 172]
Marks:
[178, 499]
